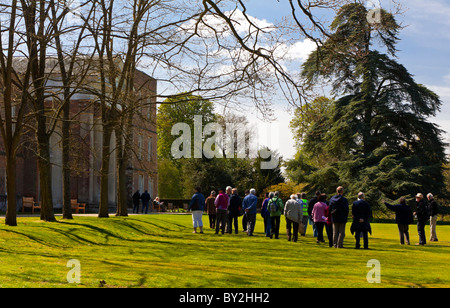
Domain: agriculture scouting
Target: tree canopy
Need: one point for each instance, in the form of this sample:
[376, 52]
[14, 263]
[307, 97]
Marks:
[377, 136]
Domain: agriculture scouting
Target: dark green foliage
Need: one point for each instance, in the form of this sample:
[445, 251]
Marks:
[379, 139]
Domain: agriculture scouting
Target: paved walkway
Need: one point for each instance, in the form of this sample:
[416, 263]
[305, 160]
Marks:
[96, 214]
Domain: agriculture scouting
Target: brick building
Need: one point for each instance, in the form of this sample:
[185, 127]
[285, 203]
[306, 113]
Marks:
[86, 151]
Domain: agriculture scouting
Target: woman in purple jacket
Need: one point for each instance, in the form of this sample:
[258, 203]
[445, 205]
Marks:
[319, 216]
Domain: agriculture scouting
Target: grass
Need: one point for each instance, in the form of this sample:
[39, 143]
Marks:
[159, 251]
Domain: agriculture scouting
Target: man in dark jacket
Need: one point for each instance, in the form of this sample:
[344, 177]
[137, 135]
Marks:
[422, 217]
[311, 204]
[136, 199]
[145, 197]
[233, 212]
[339, 214]
[361, 213]
[403, 217]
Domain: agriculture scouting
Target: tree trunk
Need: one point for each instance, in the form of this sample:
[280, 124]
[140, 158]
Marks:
[45, 173]
[122, 208]
[11, 216]
[67, 207]
[104, 173]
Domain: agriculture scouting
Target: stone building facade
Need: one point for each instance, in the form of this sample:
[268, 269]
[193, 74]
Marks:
[86, 153]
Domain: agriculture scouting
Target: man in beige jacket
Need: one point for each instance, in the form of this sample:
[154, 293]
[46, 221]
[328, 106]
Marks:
[294, 215]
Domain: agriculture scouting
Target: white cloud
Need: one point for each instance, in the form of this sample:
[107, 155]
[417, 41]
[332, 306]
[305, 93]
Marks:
[212, 25]
[298, 51]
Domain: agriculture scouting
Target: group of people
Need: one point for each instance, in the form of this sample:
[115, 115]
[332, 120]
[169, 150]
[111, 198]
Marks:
[226, 207]
[145, 198]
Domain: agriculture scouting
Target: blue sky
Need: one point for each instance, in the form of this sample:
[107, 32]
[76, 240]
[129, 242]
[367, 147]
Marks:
[424, 49]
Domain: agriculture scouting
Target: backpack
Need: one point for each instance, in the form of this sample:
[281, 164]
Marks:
[264, 209]
[273, 205]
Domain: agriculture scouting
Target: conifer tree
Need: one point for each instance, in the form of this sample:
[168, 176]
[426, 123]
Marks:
[380, 131]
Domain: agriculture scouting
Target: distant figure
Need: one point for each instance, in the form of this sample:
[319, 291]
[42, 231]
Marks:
[221, 203]
[145, 197]
[211, 209]
[319, 216]
[361, 225]
[136, 198]
[250, 209]
[159, 204]
[422, 217]
[339, 215]
[276, 208]
[311, 204]
[234, 207]
[265, 214]
[244, 215]
[294, 214]
[403, 217]
[433, 210]
[197, 206]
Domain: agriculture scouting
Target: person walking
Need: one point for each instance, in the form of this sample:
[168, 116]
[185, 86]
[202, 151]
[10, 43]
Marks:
[422, 217]
[265, 214]
[293, 214]
[433, 210]
[221, 203]
[311, 204]
[244, 215]
[136, 199]
[249, 205]
[361, 213]
[211, 209]
[403, 218]
[233, 211]
[276, 208]
[329, 225]
[319, 217]
[339, 216]
[197, 206]
[145, 197]
[301, 198]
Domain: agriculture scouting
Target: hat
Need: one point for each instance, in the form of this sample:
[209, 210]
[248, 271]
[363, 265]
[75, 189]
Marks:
[419, 195]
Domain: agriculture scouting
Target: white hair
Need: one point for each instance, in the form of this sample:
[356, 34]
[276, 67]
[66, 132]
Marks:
[253, 191]
[361, 195]
[430, 195]
[294, 196]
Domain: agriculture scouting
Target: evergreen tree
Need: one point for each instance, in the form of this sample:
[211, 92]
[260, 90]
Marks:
[379, 131]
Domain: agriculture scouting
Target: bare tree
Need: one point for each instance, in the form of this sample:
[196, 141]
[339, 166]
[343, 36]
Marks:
[12, 82]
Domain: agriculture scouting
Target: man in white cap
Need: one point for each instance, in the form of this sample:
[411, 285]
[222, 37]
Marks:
[422, 217]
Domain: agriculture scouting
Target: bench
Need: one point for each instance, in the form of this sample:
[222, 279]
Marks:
[29, 202]
[77, 206]
[173, 208]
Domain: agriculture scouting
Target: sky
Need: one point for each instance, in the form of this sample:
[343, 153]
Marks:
[424, 49]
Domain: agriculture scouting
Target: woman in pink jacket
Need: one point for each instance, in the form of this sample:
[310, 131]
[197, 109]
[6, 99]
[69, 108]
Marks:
[319, 217]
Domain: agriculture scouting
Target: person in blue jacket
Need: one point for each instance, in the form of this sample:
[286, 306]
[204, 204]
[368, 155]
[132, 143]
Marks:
[197, 206]
[249, 206]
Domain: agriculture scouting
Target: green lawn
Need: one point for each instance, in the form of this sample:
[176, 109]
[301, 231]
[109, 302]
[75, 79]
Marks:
[160, 251]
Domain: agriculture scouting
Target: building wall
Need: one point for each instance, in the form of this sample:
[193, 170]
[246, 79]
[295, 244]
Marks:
[86, 153]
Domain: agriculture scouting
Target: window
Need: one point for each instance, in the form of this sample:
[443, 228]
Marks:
[150, 187]
[140, 147]
[141, 183]
[150, 149]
